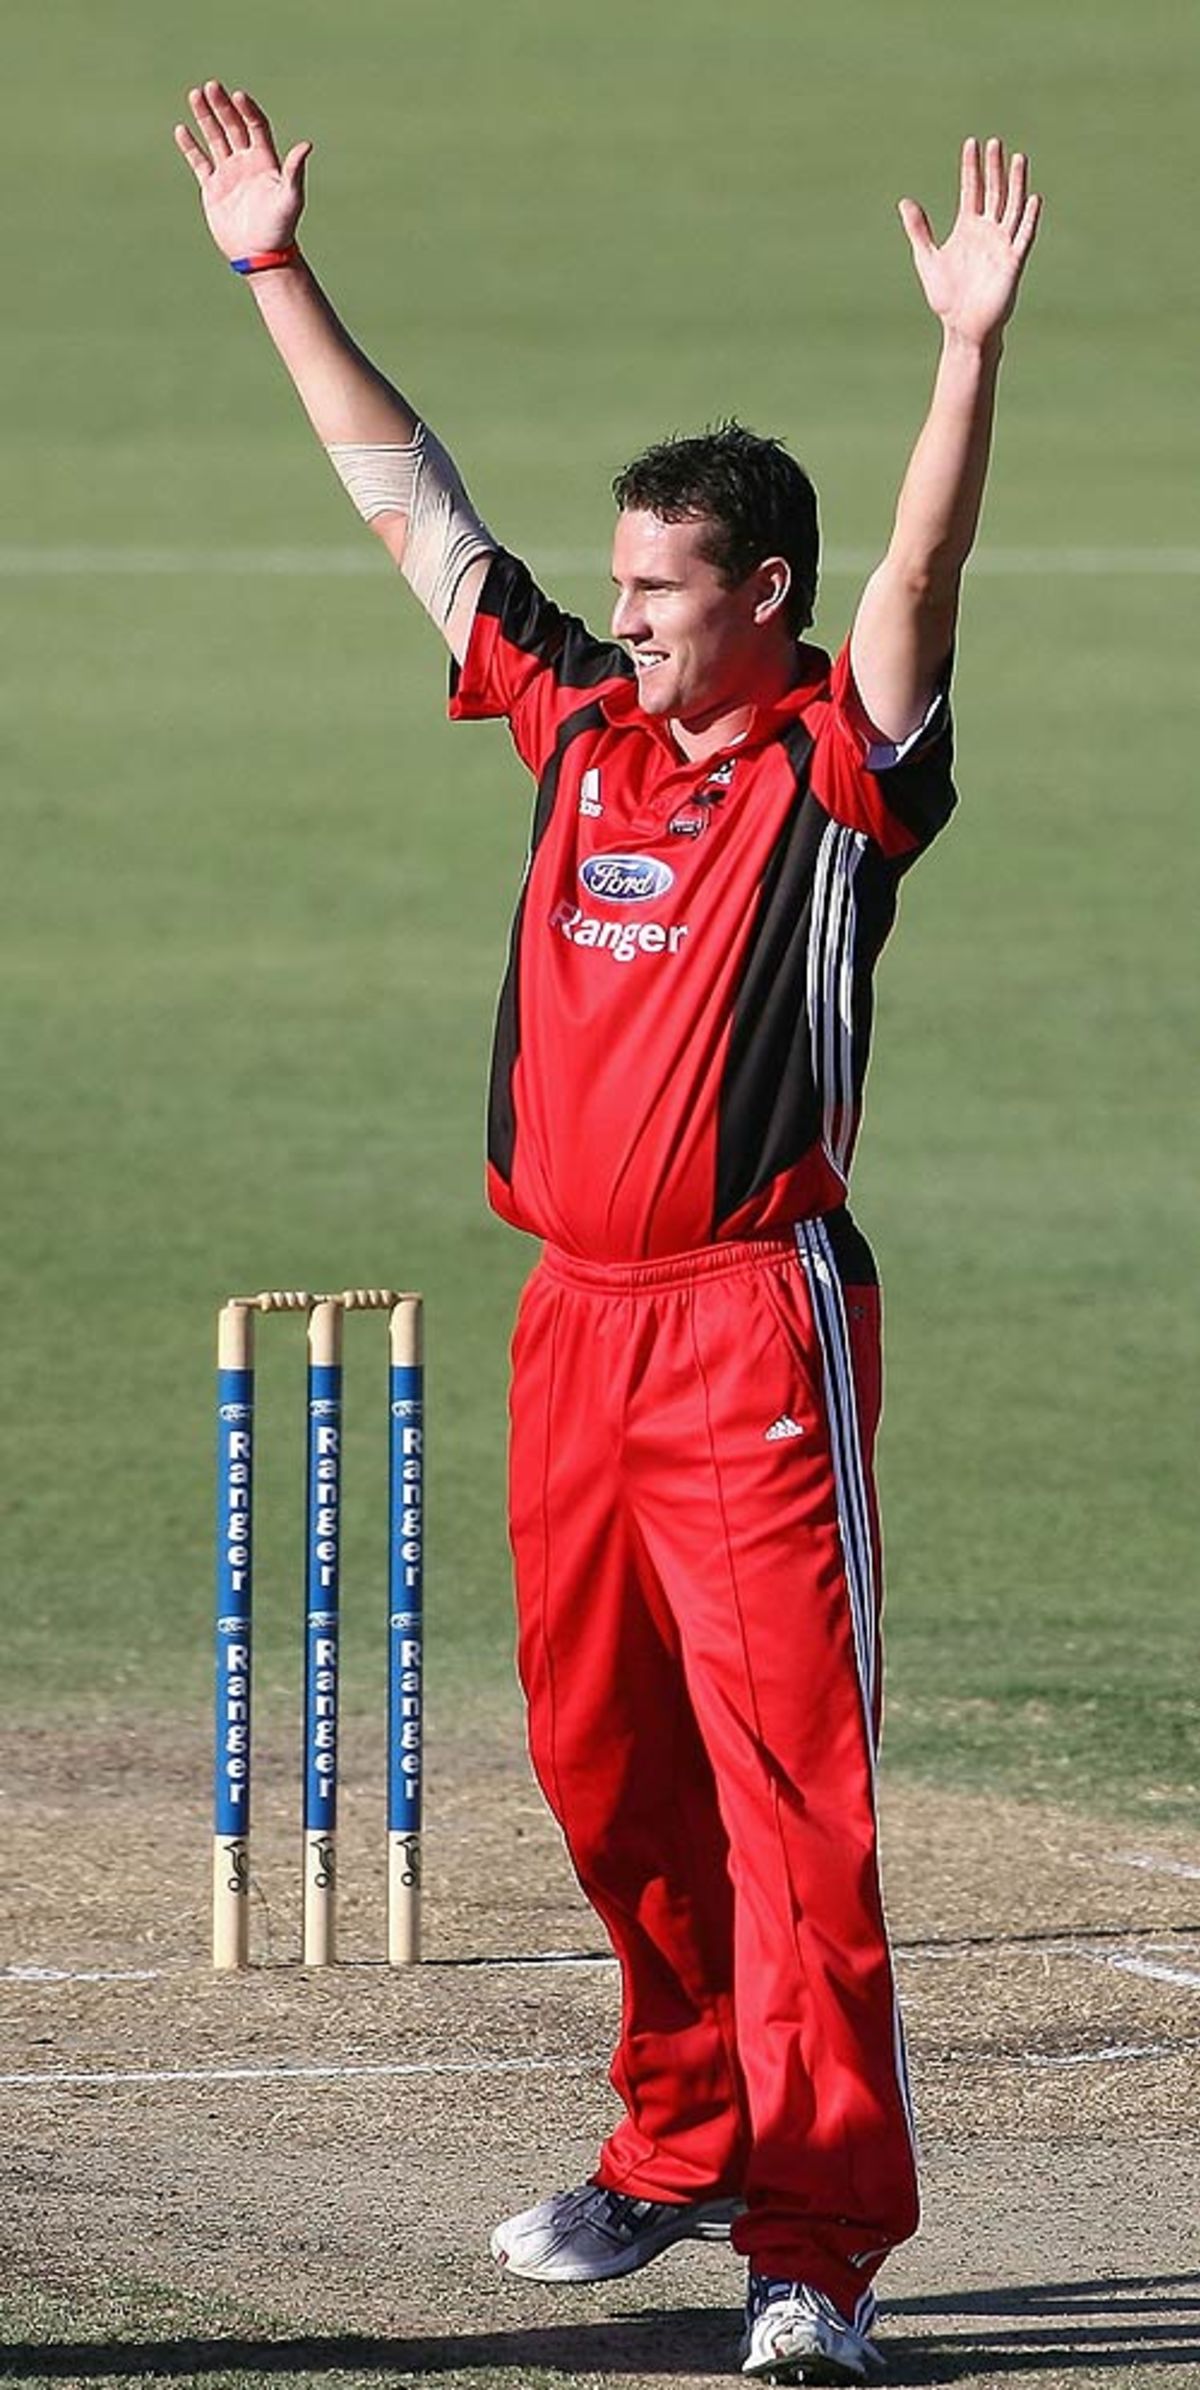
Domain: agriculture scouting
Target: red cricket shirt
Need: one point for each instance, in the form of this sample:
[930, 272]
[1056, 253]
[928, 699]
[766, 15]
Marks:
[683, 1028]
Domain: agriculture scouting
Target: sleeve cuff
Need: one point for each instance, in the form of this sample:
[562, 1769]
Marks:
[884, 754]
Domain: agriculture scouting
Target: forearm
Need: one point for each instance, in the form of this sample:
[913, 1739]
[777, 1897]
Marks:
[346, 398]
[400, 479]
[906, 621]
[937, 513]
[905, 625]
[397, 473]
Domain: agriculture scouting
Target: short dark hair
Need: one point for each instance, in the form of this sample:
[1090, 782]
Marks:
[757, 500]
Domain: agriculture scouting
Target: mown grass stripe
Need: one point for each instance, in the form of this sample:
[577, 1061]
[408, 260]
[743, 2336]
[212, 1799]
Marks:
[33, 563]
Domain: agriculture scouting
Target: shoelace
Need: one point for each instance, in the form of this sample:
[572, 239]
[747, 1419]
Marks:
[624, 2214]
[768, 2290]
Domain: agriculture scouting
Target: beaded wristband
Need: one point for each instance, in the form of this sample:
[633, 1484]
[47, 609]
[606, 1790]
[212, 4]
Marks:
[260, 261]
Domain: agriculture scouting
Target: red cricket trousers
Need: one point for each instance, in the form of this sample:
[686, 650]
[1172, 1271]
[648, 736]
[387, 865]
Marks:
[698, 1593]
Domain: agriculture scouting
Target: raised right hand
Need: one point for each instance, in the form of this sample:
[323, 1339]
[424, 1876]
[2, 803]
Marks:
[251, 200]
[971, 281]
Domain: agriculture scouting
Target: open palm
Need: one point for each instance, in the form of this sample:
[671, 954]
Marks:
[971, 282]
[251, 199]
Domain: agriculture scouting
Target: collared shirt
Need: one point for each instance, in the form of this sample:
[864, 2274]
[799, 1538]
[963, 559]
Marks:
[683, 1029]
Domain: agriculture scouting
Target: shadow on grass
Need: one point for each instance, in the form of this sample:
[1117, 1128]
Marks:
[1094, 2325]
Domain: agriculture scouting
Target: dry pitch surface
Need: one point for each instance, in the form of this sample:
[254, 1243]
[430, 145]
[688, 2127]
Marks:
[297, 2173]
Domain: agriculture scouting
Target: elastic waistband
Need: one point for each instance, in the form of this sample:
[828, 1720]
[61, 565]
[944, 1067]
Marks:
[673, 1269]
[847, 1246]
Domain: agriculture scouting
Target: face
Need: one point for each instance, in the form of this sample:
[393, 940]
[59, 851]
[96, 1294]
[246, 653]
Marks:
[699, 648]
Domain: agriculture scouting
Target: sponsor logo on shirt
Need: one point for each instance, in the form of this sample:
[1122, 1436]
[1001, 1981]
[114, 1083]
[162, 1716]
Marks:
[622, 941]
[589, 793]
[626, 879]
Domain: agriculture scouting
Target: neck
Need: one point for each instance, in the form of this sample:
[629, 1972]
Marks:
[697, 740]
[703, 734]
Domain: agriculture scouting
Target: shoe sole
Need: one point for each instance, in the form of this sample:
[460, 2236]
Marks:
[829, 2371]
[708, 2223]
[817, 2368]
[787, 2371]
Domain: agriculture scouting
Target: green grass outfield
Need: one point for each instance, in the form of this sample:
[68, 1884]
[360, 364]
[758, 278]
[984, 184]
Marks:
[256, 892]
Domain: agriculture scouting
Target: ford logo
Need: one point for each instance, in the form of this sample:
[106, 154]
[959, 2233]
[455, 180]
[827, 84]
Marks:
[626, 879]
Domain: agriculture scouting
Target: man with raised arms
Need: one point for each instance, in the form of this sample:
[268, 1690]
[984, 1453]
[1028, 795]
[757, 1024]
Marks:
[721, 823]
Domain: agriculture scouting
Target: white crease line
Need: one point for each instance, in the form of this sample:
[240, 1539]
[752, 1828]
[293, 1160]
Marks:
[1019, 1946]
[1052, 1946]
[1115, 2053]
[1150, 1861]
[38, 1976]
[1141, 1966]
[24, 563]
[1060, 1947]
[80, 1974]
[68, 2078]
[150, 2078]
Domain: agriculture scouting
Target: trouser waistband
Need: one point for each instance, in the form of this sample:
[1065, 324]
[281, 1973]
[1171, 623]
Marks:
[849, 1250]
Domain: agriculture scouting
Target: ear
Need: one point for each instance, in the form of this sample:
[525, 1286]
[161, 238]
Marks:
[774, 580]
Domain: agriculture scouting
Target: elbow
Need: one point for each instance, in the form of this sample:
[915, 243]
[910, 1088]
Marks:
[391, 530]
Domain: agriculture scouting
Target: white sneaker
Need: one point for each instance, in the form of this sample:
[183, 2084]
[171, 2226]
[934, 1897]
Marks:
[591, 2234]
[796, 2334]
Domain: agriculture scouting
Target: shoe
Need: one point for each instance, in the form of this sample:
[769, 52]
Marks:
[591, 2234]
[795, 2334]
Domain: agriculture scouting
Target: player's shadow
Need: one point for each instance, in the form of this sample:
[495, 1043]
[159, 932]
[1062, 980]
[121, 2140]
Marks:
[1092, 2324]
[1099, 2326]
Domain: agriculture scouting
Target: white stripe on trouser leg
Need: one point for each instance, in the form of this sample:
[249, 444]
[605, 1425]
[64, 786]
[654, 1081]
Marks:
[865, 2311]
[854, 1517]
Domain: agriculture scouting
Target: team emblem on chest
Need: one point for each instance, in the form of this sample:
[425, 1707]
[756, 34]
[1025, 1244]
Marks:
[692, 818]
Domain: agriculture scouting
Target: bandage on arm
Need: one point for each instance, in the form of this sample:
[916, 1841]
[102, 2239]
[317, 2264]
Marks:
[412, 494]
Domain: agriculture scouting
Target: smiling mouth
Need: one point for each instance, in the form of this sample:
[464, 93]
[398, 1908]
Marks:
[648, 658]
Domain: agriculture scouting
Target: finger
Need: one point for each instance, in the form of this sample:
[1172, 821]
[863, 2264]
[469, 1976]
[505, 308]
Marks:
[970, 189]
[917, 226]
[256, 122]
[1026, 232]
[294, 165]
[230, 117]
[1014, 206]
[209, 123]
[189, 148]
[993, 178]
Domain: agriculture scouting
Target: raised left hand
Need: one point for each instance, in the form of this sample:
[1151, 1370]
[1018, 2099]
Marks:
[971, 282]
